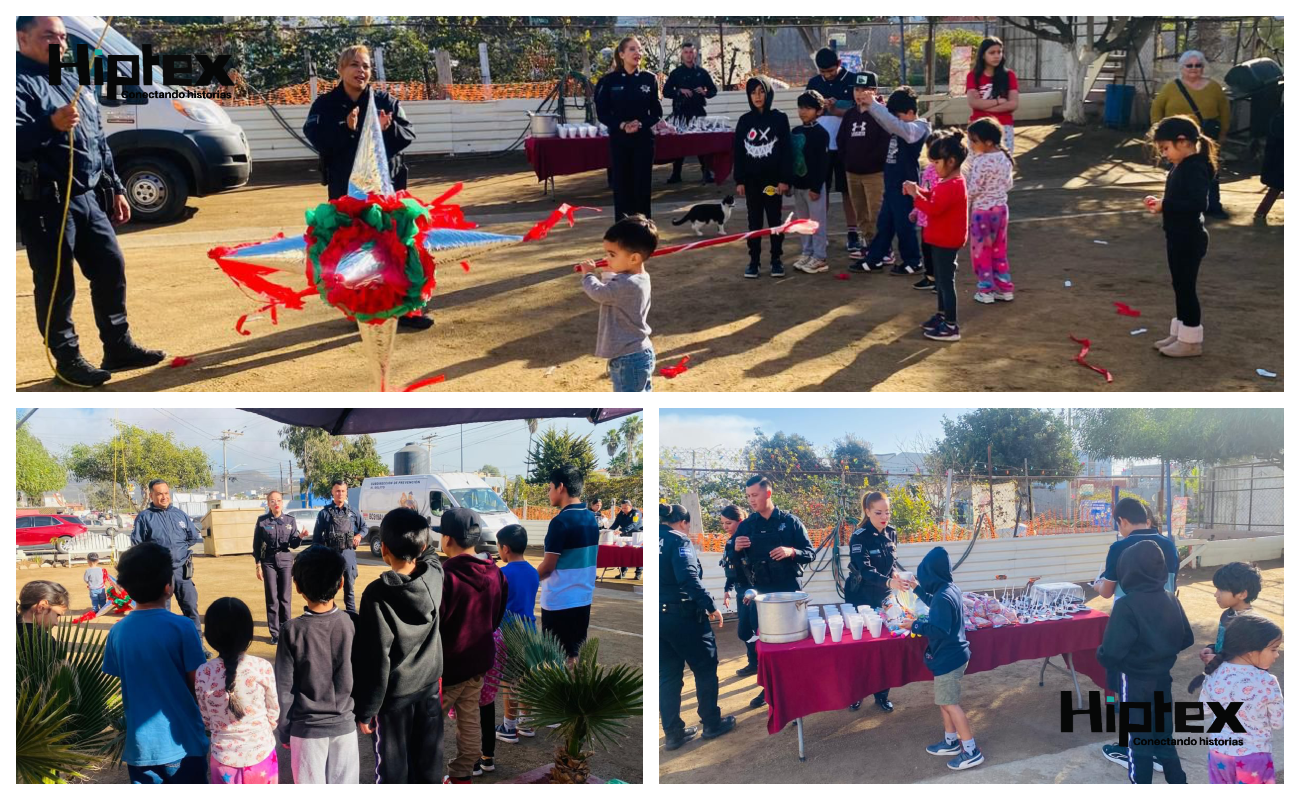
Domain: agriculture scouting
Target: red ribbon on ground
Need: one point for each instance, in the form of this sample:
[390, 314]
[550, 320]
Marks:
[181, 361]
[426, 382]
[1127, 310]
[843, 276]
[1083, 352]
[676, 369]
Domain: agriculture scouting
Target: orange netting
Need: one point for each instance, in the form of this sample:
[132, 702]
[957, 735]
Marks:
[300, 94]
[541, 513]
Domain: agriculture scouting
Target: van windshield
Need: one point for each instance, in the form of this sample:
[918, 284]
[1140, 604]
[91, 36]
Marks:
[482, 500]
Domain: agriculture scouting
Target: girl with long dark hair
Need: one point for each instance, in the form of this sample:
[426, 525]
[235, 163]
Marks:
[992, 90]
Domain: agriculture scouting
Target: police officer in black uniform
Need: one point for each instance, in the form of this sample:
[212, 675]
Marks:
[772, 544]
[627, 102]
[689, 86]
[340, 528]
[275, 534]
[334, 128]
[97, 203]
[873, 566]
[684, 634]
[172, 528]
[627, 521]
[740, 580]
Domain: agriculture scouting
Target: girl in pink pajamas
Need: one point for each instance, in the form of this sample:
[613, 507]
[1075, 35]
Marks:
[988, 179]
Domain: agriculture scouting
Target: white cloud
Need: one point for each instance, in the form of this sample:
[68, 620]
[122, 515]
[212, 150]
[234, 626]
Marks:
[718, 430]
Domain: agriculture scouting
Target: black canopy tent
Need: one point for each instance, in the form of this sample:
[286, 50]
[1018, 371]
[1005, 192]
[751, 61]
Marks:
[340, 421]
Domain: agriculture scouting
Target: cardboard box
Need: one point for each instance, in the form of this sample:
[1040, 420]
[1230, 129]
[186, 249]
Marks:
[229, 531]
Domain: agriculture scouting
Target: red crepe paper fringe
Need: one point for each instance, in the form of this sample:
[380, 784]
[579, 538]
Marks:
[181, 361]
[676, 369]
[564, 212]
[843, 276]
[426, 382]
[1086, 345]
[1127, 310]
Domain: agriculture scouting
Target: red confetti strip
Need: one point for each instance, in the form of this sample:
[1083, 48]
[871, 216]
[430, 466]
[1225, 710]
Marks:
[181, 361]
[425, 382]
[239, 326]
[464, 265]
[86, 617]
[1127, 310]
[676, 369]
[843, 276]
[564, 212]
[1083, 353]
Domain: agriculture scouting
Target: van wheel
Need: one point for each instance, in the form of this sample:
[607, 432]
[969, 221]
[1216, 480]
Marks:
[155, 189]
[374, 546]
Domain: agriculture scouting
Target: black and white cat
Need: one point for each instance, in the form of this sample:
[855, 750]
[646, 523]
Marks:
[709, 214]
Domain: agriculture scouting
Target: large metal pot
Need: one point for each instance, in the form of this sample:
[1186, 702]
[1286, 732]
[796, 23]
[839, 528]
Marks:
[782, 617]
[544, 125]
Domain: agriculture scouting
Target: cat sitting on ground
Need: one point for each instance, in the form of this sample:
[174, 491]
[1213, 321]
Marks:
[709, 214]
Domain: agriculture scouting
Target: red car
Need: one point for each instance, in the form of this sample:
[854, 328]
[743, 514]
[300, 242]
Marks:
[36, 529]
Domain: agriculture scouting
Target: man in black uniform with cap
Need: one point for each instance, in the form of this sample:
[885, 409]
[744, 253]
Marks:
[97, 203]
[172, 528]
[689, 86]
[340, 528]
[274, 535]
[773, 544]
[684, 634]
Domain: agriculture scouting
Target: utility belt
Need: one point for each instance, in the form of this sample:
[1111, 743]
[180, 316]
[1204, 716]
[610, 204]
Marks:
[686, 609]
[32, 188]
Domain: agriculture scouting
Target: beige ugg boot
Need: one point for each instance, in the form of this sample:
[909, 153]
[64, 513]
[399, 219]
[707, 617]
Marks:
[1174, 326]
[1188, 344]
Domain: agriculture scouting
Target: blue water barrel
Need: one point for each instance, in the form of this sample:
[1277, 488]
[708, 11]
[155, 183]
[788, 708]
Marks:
[1119, 105]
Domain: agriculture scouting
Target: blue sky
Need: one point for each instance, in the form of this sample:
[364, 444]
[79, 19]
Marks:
[502, 444]
[888, 430]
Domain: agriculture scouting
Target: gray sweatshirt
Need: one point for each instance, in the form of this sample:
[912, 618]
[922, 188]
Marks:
[624, 306]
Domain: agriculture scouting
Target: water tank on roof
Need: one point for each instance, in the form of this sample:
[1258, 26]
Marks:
[411, 460]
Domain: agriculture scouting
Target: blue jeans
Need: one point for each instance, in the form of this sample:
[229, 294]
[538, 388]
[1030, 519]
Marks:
[98, 599]
[632, 372]
[893, 222]
[191, 769]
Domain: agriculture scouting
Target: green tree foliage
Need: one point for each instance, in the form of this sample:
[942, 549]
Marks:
[910, 510]
[135, 456]
[624, 446]
[556, 447]
[325, 458]
[1213, 435]
[854, 455]
[37, 471]
[488, 469]
[1016, 434]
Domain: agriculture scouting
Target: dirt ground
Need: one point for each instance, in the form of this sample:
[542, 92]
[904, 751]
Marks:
[616, 619]
[1015, 722]
[1076, 187]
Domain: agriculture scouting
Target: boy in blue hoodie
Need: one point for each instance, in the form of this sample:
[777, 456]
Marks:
[907, 135]
[946, 654]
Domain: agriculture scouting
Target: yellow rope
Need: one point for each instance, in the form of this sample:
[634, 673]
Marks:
[63, 226]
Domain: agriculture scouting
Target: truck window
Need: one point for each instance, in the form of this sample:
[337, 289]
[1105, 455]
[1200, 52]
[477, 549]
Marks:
[435, 503]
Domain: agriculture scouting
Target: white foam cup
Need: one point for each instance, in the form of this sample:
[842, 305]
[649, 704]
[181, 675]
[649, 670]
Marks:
[855, 625]
[836, 626]
[874, 624]
[818, 628]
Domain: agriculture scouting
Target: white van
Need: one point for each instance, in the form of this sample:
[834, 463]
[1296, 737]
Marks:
[431, 495]
[166, 149]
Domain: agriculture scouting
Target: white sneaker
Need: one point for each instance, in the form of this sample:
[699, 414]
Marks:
[984, 297]
[1007, 296]
[811, 266]
[802, 261]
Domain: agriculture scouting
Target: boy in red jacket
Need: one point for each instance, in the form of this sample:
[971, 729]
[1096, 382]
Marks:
[945, 231]
[473, 603]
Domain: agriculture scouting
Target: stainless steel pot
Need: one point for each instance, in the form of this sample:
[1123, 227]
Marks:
[544, 125]
[782, 617]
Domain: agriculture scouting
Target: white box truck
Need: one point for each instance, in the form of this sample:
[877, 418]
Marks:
[166, 149]
[431, 495]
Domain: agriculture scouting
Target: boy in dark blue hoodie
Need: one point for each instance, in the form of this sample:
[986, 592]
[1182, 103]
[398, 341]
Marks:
[946, 654]
[907, 135]
[764, 168]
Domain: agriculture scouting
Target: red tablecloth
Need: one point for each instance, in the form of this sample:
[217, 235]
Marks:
[610, 556]
[551, 156]
[803, 678]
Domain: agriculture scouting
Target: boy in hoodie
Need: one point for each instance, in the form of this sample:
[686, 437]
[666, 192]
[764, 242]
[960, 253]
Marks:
[1147, 630]
[863, 145]
[473, 604]
[907, 135]
[397, 654]
[946, 654]
[809, 143]
[764, 168]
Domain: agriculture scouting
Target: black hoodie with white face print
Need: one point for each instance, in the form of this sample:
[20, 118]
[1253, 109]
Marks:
[762, 152]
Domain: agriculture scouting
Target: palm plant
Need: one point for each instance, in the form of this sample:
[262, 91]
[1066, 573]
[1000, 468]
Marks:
[69, 716]
[590, 702]
[613, 441]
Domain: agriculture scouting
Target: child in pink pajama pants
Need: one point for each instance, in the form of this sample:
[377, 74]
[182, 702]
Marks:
[988, 179]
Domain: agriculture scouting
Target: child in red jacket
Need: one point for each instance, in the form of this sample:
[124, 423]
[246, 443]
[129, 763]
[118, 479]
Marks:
[945, 207]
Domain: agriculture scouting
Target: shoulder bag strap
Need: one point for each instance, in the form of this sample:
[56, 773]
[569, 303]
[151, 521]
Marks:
[1190, 102]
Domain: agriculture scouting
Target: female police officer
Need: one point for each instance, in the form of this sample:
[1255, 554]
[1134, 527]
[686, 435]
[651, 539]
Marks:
[873, 566]
[684, 636]
[740, 580]
[627, 102]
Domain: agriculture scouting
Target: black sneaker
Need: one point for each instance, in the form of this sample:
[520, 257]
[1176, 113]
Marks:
[751, 271]
[129, 355]
[944, 333]
[674, 742]
[725, 725]
[422, 322]
[674, 178]
[900, 269]
[746, 671]
[484, 764]
[925, 283]
[932, 323]
[778, 269]
[74, 369]
[852, 241]
[759, 699]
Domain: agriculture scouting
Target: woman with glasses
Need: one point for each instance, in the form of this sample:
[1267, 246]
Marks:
[1195, 95]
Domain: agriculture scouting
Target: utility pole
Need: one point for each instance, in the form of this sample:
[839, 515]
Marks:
[225, 437]
[428, 447]
[462, 447]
